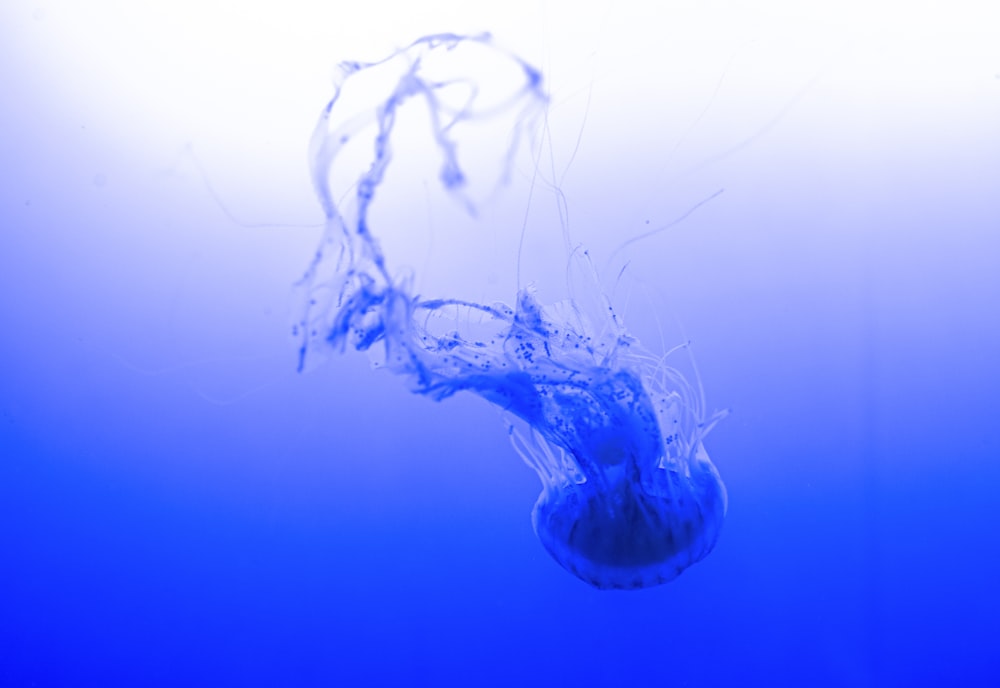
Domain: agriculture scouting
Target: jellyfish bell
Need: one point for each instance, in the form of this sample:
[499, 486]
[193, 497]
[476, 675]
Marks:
[630, 498]
[622, 531]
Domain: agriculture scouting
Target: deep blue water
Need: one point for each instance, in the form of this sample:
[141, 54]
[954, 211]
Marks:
[181, 505]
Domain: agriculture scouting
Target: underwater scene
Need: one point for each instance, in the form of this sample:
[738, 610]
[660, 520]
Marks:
[415, 344]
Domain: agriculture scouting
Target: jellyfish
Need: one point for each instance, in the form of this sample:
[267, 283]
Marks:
[629, 497]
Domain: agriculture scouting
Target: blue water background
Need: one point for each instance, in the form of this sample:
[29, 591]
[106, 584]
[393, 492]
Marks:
[180, 506]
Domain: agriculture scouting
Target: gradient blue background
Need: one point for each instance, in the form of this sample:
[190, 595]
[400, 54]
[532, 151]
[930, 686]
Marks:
[180, 507]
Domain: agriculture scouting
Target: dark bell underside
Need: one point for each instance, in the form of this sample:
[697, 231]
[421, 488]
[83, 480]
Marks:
[626, 540]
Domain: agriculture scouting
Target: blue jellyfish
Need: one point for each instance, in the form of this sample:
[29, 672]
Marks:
[629, 496]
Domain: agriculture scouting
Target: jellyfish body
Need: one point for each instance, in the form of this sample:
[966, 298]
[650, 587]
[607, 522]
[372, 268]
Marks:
[629, 496]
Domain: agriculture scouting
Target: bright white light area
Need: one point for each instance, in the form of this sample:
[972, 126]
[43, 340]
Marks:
[251, 75]
[662, 93]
